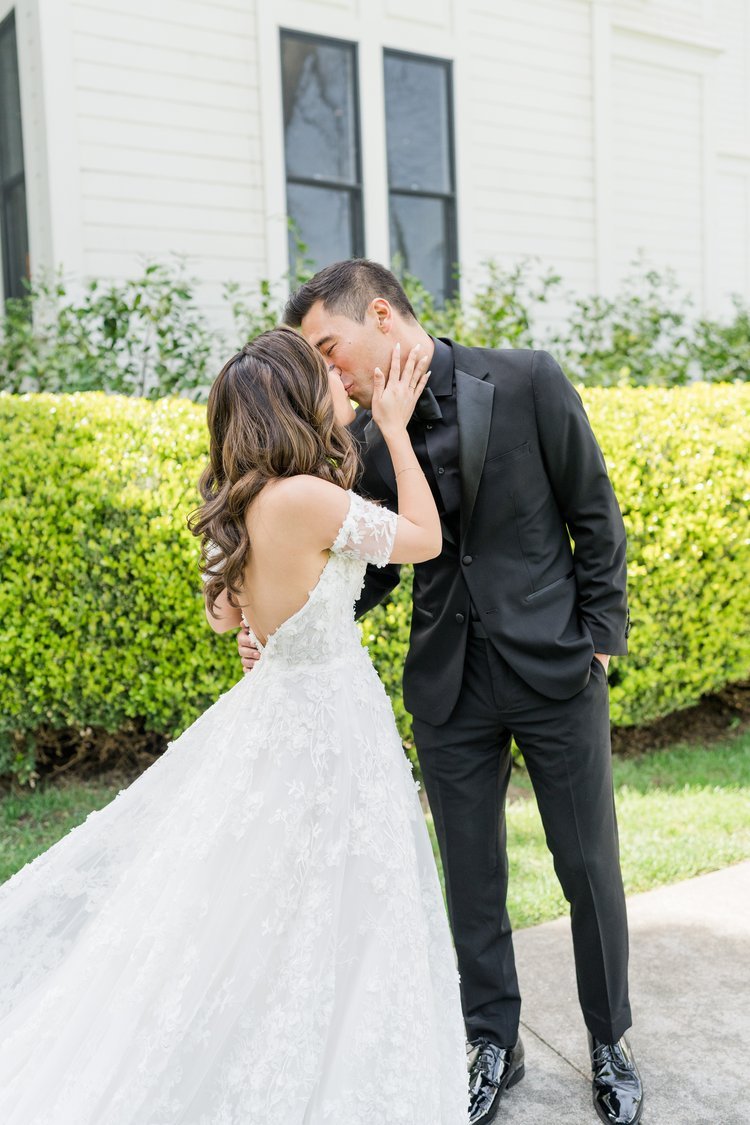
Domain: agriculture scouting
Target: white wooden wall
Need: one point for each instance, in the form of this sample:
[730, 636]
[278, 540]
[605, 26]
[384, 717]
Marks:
[153, 137]
[585, 131]
[733, 193]
[526, 124]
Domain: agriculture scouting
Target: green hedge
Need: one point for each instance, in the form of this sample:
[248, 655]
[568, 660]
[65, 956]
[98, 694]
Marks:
[100, 604]
[101, 609]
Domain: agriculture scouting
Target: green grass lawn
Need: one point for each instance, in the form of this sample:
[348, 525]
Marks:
[681, 811]
[31, 821]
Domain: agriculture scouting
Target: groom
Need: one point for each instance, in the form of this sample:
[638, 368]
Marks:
[512, 629]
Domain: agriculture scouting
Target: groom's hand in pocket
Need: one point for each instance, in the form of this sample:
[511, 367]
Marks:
[248, 652]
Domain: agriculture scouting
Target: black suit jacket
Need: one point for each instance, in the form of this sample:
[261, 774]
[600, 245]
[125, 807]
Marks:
[542, 544]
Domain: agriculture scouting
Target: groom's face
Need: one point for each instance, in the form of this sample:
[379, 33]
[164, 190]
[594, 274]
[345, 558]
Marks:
[352, 350]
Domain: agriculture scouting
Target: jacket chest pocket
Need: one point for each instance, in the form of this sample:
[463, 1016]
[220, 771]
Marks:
[500, 462]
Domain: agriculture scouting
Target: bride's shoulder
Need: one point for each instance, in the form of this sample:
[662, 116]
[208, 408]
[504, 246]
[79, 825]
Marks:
[302, 490]
[306, 505]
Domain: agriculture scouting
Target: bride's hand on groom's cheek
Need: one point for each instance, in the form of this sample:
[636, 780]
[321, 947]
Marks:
[247, 650]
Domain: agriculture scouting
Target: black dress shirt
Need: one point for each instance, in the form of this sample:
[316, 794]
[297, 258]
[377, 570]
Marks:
[436, 414]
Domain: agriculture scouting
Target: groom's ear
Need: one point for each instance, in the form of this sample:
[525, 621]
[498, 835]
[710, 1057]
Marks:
[383, 314]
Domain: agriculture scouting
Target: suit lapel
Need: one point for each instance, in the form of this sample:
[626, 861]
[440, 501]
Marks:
[474, 405]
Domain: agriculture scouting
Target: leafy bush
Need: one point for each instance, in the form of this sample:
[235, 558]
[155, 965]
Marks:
[148, 337]
[101, 602]
[645, 334]
[500, 312]
[640, 336]
[722, 350]
[680, 464]
[100, 599]
[142, 337]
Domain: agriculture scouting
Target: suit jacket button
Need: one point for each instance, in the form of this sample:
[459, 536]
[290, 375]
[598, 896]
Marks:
[460, 618]
[467, 560]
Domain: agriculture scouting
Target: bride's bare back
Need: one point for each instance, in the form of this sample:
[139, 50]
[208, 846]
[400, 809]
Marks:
[287, 553]
[292, 524]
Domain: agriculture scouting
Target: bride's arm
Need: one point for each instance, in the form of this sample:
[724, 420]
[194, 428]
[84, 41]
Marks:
[224, 616]
[227, 616]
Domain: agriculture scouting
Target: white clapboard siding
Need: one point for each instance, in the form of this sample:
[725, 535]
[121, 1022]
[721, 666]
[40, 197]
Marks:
[154, 56]
[154, 239]
[96, 78]
[206, 268]
[161, 190]
[138, 108]
[152, 138]
[209, 170]
[734, 230]
[175, 217]
[169, 137]
[734, 75]
[429, 12]
[220, 33]
[671, 17]
[204, 14]
[657, 193]
[528, 79]
[733, 194]
[585, 131]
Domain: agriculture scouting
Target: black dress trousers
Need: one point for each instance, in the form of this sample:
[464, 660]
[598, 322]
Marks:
[466, 765]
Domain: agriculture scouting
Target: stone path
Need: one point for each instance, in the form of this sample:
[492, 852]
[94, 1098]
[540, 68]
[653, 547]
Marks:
[690, 994]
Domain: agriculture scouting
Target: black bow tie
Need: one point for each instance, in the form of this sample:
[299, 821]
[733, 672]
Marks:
[427, 409]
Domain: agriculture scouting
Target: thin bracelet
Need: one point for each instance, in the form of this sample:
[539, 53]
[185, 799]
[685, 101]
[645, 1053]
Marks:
[409, 469]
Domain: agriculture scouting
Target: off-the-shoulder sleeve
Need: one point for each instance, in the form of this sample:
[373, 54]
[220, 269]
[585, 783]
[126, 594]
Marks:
[367, 533]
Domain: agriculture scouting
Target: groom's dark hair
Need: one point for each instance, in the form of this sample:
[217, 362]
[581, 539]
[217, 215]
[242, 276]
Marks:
[347, 288]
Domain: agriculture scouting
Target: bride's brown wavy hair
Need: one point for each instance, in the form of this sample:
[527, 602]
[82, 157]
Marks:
[270, 414]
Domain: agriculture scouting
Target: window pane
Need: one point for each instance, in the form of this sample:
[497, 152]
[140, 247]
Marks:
[319, 111]
[323, 218]
[419, 241]
[417, 123]
[15, 240]
[11, 147]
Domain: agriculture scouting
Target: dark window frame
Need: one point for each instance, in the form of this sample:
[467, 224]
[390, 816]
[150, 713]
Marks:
[354, 190]
[11, 285]
[450, 280]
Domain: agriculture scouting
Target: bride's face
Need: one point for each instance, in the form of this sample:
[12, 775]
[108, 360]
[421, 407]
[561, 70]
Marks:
[342, 407]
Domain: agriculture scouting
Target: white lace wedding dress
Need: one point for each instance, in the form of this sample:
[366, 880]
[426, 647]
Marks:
[252, 933]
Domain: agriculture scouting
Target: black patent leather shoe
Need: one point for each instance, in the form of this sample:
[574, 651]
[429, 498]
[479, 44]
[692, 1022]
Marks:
[617, 1087]
[493, 1070]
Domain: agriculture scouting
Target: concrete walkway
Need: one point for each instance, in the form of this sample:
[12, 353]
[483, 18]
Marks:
[690, 994]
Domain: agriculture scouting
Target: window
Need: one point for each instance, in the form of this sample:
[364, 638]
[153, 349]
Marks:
[321, 143]
[13, 227]
[421, 189]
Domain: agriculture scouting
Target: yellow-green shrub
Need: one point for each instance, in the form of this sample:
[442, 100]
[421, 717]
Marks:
[679, 459]
[101, 611]
[101, 607]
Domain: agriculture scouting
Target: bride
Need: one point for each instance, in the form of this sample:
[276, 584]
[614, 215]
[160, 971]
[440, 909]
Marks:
[253, 933]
